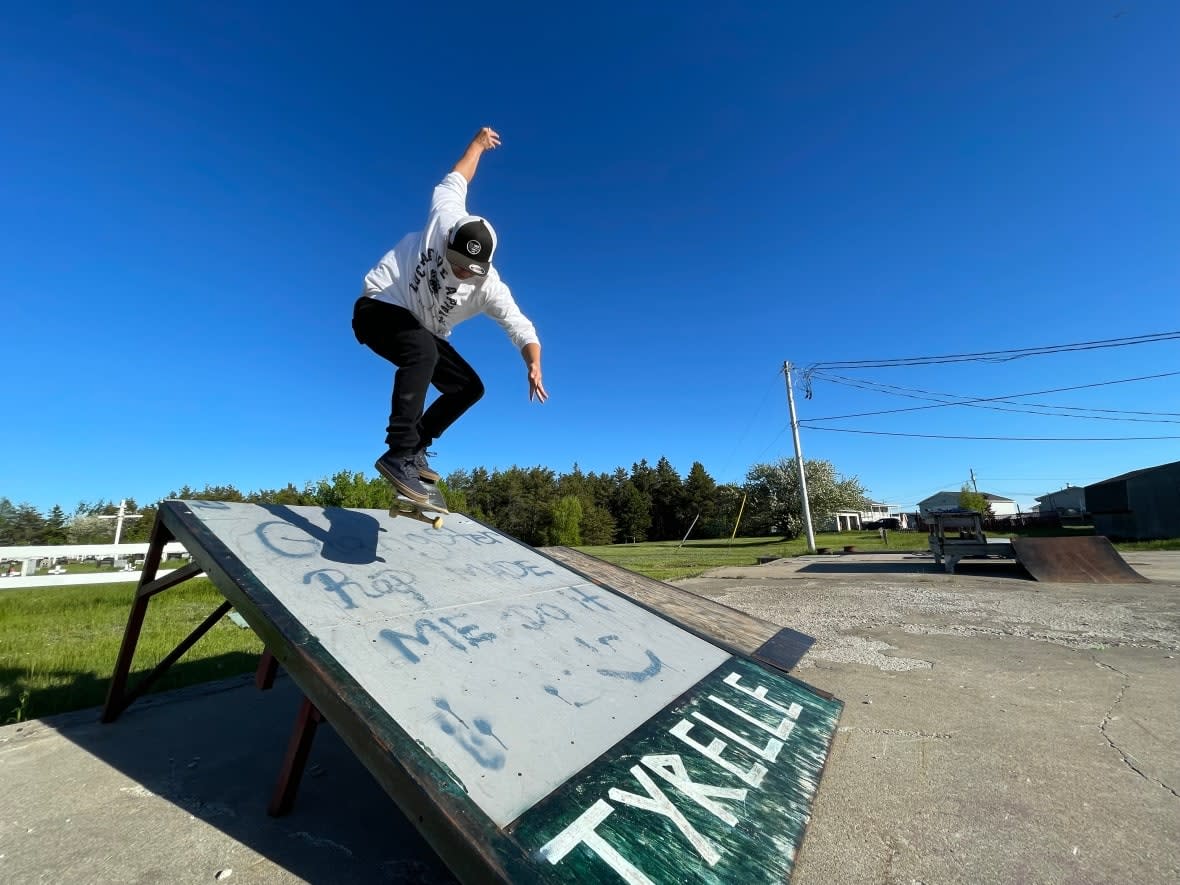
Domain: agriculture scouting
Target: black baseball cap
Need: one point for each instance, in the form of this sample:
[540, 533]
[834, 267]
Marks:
[470, 244]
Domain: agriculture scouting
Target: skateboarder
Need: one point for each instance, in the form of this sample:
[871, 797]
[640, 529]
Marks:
[419, 291]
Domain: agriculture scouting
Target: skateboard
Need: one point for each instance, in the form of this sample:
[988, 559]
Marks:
[431, 512]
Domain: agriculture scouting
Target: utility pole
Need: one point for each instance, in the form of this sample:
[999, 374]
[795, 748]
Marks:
[973, 483]
[799, 461]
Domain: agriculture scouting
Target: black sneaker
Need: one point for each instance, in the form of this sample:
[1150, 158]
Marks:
[425, 472]
[404, 476]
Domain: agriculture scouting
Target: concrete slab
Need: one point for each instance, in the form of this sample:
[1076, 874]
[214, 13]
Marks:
[176, 792]
[1155, 565]
[996, 729]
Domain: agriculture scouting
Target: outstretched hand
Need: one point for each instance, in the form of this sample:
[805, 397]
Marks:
[487, 139]
[536, 388]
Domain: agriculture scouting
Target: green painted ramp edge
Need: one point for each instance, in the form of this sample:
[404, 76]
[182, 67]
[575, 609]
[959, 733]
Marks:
[717, 787]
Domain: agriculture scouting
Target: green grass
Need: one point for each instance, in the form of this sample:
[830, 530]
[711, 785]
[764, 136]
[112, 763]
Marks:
[58, 645]
[1165, 544]
[668, 561]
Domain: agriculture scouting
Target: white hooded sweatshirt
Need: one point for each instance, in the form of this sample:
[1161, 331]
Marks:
[415, 275]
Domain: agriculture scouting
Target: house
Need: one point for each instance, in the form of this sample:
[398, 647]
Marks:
[943, 501]
[1069, 501]
[854, 520]
[1140, 505]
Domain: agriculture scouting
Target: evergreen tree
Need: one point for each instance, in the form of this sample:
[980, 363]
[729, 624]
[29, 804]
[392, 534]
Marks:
[7, 522]
[698, 501]
[632, 512]
[28, 526]
[667, 503]
[727, 505]
[55, 526]
[598, 526]
[138, 531]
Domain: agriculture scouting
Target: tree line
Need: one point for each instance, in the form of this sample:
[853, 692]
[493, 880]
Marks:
[536, 505]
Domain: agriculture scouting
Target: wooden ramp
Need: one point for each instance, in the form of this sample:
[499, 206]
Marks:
[781, 647]
[1089, 559]
[535, 724]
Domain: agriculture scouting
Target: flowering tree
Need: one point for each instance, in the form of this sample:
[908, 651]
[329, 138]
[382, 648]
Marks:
[774, 505]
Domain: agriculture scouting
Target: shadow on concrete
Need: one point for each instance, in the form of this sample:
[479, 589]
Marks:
[978, 569]
[214, 751]
[870, 568]
[76, 690]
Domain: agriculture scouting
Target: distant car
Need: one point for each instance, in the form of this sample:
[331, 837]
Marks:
[890, 522]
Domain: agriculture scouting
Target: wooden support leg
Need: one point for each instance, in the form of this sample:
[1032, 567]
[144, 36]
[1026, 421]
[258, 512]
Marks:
[283, 799]
[116, 693]
[268, 669]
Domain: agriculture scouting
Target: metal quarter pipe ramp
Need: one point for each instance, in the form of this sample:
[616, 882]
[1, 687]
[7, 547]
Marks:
[533, 723]
[1089, 559]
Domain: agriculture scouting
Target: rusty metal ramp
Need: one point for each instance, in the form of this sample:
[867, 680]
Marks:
[1089, 559]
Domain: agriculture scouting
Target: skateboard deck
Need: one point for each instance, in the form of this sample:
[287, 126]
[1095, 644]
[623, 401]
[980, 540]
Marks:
[431, 512]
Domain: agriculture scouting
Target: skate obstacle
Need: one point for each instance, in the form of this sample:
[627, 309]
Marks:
[1088, 559]
[534, 723]
[1084, 559]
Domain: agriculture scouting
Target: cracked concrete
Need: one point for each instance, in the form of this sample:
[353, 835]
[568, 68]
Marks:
[177, 791]
[996, 729]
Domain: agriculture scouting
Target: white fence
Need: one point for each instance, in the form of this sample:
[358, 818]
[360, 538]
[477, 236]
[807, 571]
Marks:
[30, 556]
[68, 580]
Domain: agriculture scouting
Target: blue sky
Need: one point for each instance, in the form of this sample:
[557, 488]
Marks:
[685, 200]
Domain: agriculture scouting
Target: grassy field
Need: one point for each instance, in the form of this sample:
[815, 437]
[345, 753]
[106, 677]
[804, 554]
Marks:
[667, 560]
[58, 645]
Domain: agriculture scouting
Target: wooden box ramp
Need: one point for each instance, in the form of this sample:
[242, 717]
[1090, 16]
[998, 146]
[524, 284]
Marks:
[535, 724]
[781, 647]
[1089, 559]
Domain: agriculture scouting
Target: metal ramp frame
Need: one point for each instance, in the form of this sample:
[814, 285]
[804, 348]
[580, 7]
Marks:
[970, 543]
[1087, 559]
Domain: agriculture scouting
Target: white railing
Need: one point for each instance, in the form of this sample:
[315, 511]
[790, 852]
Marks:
[29, 556]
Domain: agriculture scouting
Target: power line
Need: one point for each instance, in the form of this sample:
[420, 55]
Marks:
[804, 424]
[1006, 398]
[896, 390]
[994, 355]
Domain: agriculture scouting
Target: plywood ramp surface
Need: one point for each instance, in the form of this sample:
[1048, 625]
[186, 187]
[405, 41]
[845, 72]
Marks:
[769, 642]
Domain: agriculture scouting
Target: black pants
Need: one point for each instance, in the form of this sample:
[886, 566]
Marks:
[422, 359]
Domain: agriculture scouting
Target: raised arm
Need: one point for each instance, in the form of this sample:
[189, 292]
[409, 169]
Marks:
[487, 139]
